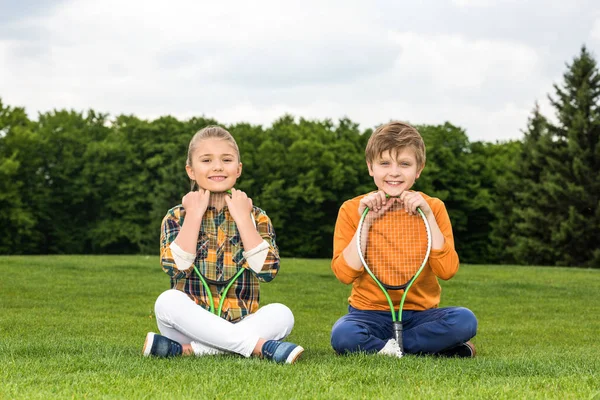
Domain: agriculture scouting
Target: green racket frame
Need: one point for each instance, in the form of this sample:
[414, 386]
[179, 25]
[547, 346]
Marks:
[229, 282]
[396, 318]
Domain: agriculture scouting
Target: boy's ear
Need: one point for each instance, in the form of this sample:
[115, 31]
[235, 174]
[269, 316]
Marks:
[369, 165]
[419, 172]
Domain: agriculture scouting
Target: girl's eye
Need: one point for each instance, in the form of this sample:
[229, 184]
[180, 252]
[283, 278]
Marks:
[205, 160]
[227, 160]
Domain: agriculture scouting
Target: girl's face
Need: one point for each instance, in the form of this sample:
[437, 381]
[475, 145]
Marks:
[215, 165]
[395, 172]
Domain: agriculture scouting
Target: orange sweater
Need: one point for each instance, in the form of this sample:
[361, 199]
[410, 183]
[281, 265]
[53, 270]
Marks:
[366, 295]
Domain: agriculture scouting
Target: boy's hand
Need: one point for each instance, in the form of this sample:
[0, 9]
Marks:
[412, 200]
[377, 202]
[196, 203]
[240, 206]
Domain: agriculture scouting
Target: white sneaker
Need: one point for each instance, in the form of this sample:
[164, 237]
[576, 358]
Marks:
[204, 350]
[391, 349]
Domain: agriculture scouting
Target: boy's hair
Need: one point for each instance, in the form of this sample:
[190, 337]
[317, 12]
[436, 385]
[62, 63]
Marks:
[211, 132]
[395, 136]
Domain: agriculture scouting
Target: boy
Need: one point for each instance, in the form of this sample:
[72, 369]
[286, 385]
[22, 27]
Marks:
[395, 156]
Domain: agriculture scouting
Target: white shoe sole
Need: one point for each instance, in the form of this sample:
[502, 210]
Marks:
[294, 355]
[148, 344]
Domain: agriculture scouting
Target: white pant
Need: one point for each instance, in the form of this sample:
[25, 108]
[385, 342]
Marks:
[179, 318]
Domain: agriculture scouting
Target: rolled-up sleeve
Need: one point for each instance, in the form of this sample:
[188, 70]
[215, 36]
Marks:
[170, 228]
[270, 267]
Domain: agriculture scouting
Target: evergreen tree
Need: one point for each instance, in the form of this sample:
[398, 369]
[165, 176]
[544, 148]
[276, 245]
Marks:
[558, 213]
[577, 135]
[532, 212]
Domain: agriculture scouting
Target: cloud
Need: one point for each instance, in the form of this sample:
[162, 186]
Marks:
[13, 11]
[595, 32]
[453, 62]
[477, 64]
[473, 3]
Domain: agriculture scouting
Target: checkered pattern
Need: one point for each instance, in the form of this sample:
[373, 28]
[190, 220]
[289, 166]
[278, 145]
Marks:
[219, 254]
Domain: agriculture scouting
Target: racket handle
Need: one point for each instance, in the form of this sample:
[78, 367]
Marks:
[398, 334]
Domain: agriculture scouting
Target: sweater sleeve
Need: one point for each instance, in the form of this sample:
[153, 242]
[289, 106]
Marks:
[444, 262]
[345, 228]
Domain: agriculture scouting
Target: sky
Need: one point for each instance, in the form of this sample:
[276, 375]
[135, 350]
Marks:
[478, 64]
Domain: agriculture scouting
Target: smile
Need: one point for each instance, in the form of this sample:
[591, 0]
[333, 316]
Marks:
[393, 183]
[217, 178]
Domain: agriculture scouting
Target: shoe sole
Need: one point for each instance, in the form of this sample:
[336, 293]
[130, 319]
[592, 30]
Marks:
[472, 347]
[146, 351]
[463, 350]
[294, 355]
[467, 350]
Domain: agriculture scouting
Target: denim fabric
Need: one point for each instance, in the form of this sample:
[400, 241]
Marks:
[427, 332]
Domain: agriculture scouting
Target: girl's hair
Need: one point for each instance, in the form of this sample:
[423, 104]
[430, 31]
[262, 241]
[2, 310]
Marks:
[395, 136]
[209, 132]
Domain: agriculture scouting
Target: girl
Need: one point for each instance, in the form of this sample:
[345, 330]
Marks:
[213, 232]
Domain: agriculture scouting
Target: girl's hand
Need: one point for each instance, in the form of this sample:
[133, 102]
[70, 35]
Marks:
[240, 206]
[196, 203]
[412, 200]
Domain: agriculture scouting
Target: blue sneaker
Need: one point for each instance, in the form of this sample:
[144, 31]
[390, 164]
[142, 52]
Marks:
[160, 346]
[281, 352]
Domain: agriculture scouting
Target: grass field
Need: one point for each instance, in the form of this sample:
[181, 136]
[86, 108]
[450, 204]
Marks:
[73, 327]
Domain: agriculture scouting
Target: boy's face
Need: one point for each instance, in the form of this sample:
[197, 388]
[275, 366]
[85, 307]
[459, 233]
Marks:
[395, 171]
[215, 165]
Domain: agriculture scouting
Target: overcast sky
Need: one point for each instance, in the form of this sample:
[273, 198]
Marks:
[478, 64]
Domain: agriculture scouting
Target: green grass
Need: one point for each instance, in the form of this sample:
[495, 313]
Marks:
[73, 327]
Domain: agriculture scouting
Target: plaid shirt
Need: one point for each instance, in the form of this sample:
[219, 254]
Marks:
[218, 255]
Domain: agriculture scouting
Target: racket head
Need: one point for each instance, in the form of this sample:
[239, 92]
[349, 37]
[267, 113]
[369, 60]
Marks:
[393, 245]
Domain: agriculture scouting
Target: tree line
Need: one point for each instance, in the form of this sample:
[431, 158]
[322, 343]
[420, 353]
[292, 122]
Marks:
[84, 183]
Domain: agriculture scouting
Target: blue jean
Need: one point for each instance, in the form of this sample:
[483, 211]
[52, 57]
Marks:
[427, 332]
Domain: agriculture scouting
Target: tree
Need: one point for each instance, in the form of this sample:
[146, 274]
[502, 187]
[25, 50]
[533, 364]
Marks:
[532, 213]
[17, 220]
[497, 174]
[62, 197]
[303, 172]
[490, 167]
[447, 175]
[559, 212]
[577, 135]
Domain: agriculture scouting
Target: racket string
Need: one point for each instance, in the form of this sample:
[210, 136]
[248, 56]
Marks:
[395, 245]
